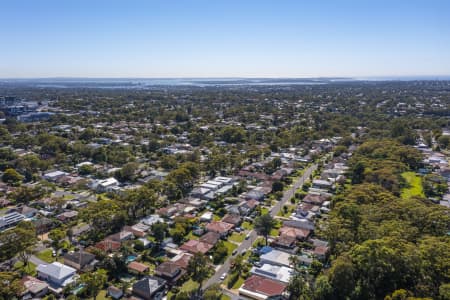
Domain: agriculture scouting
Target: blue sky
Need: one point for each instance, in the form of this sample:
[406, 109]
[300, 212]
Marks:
[224, 38]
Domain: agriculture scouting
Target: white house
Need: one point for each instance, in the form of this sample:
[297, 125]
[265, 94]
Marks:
[56, 274]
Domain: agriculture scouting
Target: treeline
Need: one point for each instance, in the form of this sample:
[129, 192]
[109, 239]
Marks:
[384, 246]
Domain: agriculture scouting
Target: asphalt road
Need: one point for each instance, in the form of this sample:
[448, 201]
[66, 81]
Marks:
[247, 244]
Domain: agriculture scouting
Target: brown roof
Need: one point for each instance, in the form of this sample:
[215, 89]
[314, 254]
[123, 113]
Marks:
[219, 227]
[294, 232]
[170, 271]
[285, 241]
[232, 219]
[265, 286]
[183, 261]
[195, 246]
[135, 266]
[108, 245]
[210, 237]
[33, 285]
[315, 199]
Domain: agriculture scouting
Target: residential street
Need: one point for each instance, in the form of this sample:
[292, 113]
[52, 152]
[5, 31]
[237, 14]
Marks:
[247, 244]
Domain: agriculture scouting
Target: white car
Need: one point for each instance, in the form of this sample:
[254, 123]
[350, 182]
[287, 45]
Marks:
[222, 278]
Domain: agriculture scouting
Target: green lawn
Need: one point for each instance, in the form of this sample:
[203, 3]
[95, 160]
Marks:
[237, 237]
[247, 225]
[102, 295]
[46, 255]
[30, 269]
[414, 187]
[225, 297]
[290, 209]
[237, 284]
[264, 210]
[230, 246]
[189, 285]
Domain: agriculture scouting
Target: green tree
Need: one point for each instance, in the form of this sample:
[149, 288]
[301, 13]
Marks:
[94, 282]
[18, 241]
[264, 224]
[159, 231]
[220, 252]
[57, 236]
[198, 269]
[10, 285]
[12, 177]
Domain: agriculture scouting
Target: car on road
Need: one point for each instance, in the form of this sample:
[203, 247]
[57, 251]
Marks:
[247, 236]
[223, 276]
[234, 252]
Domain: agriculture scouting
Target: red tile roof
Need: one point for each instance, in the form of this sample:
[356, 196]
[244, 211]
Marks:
[195, 246]
[138, 267]
[294, 232]
[265, 286]
[219, 227]
[108, 245]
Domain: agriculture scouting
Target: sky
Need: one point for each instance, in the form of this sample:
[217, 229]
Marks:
[224, 38]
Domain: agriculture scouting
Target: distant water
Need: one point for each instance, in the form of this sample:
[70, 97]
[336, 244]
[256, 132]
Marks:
[138, 83]
[148, 83]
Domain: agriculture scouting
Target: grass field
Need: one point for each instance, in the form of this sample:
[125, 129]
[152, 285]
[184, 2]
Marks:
[46, 255]
[30, 269]
[414, 187]
[247, 225]
[237, 237]
[230, 246]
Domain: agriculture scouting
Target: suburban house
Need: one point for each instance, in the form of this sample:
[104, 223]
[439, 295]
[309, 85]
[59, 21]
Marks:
[276, 257]
[137, 268]
[10, 220]
[56, 274]
[67, 216]
[182, 259]
[232, 219]
[81, 261]
[170, 271]
[106, 185]
[124, 235]
[33, 288]
[149, 287]
[108, 245]
[194, 246]
[261, 288]
[210, 238]
[219, 227]
[281, 274]
[297, 233]
[114, 292]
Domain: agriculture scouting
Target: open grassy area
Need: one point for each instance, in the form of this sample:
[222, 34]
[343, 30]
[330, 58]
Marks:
[247, 225]
[237, 284]
[46, 255]
[230, 246]
[237, 237]
[30, 269]
[414, 187]
[102, 295]
[189, 285]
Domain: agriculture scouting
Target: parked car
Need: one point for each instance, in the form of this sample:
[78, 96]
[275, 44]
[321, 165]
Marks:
[224, 275]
